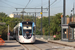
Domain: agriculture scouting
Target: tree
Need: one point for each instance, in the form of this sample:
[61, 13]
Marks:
[55, 21]
[9, 21]
[67, 16]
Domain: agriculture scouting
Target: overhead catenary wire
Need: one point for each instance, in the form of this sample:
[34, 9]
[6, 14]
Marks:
[53, 3]
[7, 3]
[15, 3]
[56, 7]
[31, 2]
[46, 3]
[41, 4]
[5, 7]
[27, 3]
[56, 2]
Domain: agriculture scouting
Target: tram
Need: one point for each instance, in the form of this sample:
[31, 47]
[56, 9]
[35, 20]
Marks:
[24, 32]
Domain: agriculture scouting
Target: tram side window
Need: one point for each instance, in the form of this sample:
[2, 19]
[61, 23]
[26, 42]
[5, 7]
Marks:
[16, 31]
[33, 28]
[20, 31]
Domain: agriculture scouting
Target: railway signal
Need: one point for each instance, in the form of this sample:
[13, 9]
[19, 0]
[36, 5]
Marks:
[40, 12]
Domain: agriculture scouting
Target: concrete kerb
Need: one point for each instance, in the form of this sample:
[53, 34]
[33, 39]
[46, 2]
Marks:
[42, 39]
[61, 44]
[51, 41]
[14, 42]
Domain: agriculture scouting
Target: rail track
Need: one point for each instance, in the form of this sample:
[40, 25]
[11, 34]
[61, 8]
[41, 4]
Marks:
[36, 47]
[33, 47]
[44, 46]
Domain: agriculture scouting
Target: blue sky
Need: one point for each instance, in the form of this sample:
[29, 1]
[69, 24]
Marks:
[8, 6]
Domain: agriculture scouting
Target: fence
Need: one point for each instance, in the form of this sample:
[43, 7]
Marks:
[44, 37]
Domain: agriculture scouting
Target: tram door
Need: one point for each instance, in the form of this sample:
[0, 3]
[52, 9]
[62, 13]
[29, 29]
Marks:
[64, 32]
[74, 33]
[70, 33]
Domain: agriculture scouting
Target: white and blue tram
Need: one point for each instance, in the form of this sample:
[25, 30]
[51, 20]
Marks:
[24, 32]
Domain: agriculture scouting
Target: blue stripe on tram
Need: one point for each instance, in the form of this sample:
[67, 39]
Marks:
[32, 27]
[21, 27]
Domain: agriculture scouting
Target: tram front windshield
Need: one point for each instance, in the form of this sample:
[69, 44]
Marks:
[27, 30]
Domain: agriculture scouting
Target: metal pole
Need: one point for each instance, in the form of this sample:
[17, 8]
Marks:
[41, 19]
[64, 11]
[49, 17]
[23, 16]
[35, 22]
[73, 12]
[68, 33]
[73, 20]
[27, 14]
[33, 17]
[8, 32]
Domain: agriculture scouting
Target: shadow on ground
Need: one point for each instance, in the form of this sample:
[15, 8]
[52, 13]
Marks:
[10, 41]
[10, 46]
[39, 42]
[36, 42]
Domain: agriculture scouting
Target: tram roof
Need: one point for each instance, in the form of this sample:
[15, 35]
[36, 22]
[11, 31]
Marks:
[24, 22]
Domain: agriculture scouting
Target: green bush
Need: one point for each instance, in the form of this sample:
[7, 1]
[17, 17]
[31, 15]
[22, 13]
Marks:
[58, 37]
[38, 32]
